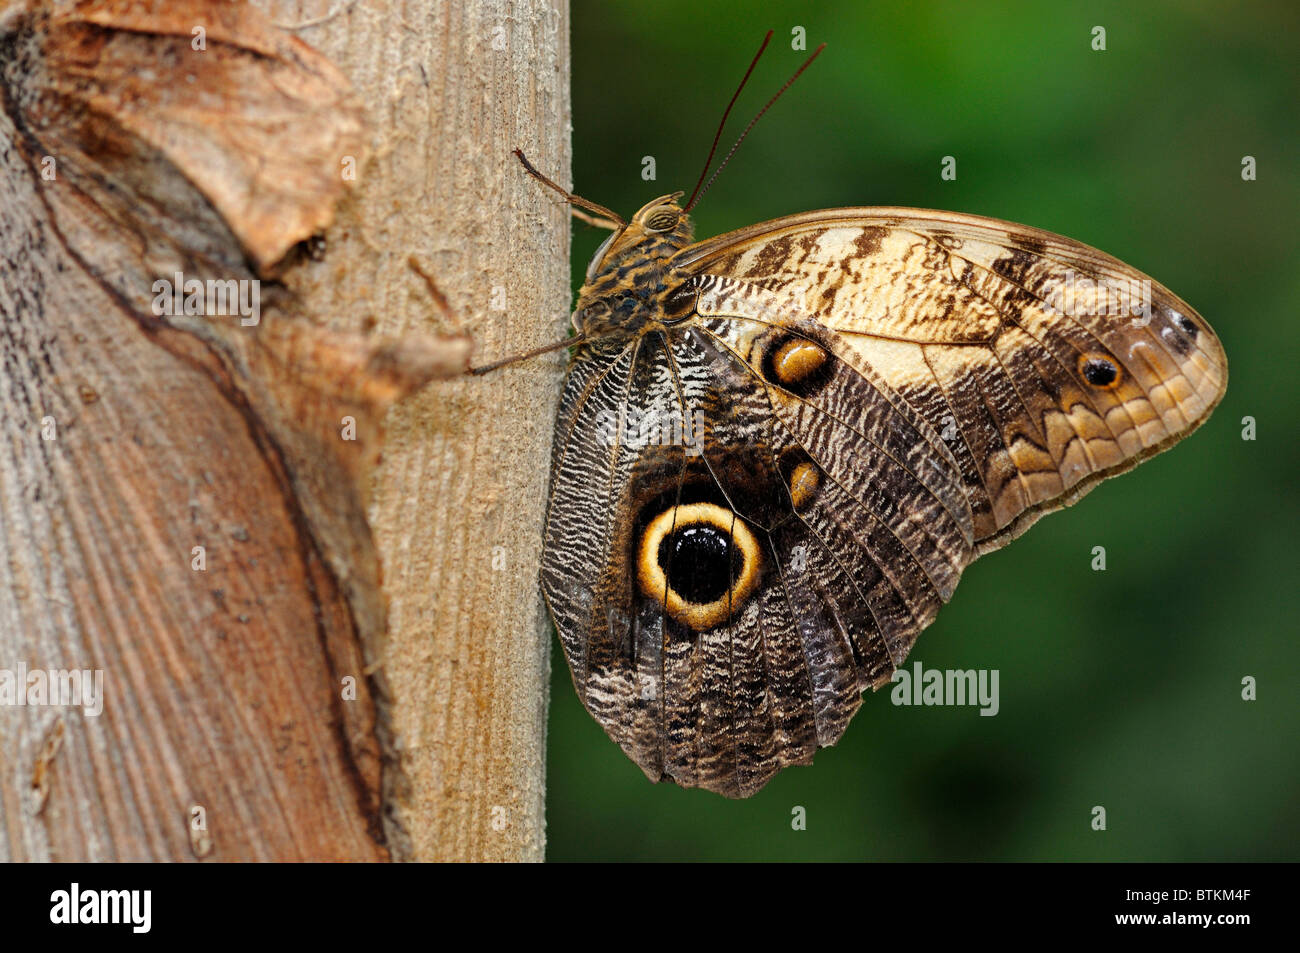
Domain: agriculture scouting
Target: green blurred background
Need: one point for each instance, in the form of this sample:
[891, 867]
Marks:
[1119, 688]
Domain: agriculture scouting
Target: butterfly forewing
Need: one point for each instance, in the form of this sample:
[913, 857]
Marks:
[1045, 364]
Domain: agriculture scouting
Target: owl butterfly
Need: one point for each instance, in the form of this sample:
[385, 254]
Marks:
[778, 449]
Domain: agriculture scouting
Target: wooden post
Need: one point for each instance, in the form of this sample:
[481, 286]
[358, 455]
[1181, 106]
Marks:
[460, 496]
[183, 496]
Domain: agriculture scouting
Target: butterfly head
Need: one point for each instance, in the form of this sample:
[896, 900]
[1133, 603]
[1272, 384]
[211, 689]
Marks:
[630, 271]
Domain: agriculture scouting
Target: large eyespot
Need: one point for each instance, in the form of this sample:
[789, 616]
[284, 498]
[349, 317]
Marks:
[600, 253]
[662, 219]
[701, 561]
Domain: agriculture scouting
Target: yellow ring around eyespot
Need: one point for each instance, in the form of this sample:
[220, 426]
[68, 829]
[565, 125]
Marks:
[1089, 357]
[796, 359]
[654, 582]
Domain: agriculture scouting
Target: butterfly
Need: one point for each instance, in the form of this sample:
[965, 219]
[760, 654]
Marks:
[778, 449]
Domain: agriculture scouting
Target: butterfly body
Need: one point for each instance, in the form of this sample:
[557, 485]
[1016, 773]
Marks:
[630, 279]
[778, 449]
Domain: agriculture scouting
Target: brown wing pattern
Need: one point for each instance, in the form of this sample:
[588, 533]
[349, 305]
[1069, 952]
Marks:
[847, 506]
[1020, 347]
[755, 511]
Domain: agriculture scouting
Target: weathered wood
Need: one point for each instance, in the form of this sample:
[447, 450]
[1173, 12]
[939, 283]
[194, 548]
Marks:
[261, 688]
[459, 499]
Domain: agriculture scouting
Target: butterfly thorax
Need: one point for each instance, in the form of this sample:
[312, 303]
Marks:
[630, 282]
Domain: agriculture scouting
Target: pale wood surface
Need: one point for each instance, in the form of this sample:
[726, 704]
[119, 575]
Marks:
[223, 687]
[466, 466]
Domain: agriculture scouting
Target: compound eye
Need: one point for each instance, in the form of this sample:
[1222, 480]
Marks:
[595, 313]
[600, 253]
[662, 219]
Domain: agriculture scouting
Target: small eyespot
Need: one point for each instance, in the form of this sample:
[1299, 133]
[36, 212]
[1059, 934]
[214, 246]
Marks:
[795, 359]
[1186, 324]
[796, 364]
[1099, 371]
[804, 483]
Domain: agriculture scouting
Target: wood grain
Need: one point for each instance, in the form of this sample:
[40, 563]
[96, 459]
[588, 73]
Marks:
[129, 438]
[460, 493]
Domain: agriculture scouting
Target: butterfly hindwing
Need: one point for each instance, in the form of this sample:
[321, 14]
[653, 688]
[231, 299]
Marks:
[853, 518]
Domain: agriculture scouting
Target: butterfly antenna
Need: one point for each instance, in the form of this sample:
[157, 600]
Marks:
[770, 103]
[568, 196]
[723, 124]
[516, 358]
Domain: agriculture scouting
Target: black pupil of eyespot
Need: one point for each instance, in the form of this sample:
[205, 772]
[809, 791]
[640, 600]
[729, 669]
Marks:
[701, 563]
[1099, 372]
[1186, 324]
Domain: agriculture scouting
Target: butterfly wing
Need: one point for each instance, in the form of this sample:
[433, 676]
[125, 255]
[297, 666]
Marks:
[1045, 364]
[864, 401]
[849, 524]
